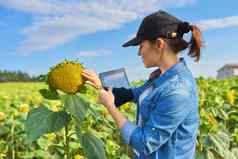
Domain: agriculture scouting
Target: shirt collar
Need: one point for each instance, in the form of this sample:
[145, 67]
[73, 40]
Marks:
[175, 69]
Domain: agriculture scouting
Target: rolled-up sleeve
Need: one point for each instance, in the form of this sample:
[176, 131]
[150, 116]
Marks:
[166, 116]
[127, 130]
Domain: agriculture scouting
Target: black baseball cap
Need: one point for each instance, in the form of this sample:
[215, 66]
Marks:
[159, 24]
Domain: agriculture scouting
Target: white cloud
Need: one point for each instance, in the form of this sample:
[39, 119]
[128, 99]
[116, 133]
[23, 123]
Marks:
[56, 22]
[230, 21]
[50, 32]
[94, 53]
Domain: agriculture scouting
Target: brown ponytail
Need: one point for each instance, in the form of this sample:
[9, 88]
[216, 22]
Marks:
[178, 44]
[195, 43]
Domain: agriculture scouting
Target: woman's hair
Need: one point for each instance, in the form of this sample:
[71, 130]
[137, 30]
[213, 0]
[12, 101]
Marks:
[178, 44]
[195, 43]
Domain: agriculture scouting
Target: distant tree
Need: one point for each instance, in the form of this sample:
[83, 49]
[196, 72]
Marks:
[41, 78]
[19, 76]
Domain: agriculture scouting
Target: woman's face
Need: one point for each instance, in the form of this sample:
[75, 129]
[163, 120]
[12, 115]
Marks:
[149, 53]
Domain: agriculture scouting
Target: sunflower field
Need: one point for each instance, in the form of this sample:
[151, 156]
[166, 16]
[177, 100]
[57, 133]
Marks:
[28, 132]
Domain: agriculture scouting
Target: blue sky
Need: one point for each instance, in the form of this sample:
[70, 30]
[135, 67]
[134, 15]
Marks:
[36, 34]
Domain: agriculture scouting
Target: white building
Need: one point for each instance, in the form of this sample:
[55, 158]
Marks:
[229, 70]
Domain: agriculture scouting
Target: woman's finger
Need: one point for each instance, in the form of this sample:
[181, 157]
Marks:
[86, 72]
[92, 77]
[89, 77]
[89, 72]
[110, 89]
[92, 84]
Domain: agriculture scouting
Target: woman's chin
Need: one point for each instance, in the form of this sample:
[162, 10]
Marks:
[146, 66]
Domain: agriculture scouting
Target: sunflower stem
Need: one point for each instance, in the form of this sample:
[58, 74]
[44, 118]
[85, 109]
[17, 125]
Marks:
[13, 137]
[66, 146]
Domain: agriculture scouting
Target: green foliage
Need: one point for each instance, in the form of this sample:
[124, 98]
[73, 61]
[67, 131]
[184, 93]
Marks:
[19, 76]
[49, 94]
[93, 147]
[217, 138]
[76, 106]
[41, 120]
[218, 112]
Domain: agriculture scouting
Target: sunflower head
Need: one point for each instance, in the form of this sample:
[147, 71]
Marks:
[24, 108]
[2, 116]
[66, 76]
[231, 96]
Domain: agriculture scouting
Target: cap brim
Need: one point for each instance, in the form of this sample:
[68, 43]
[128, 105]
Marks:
[132, 42]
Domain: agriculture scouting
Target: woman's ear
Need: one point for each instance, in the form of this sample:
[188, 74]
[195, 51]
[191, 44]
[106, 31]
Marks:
[160, 43]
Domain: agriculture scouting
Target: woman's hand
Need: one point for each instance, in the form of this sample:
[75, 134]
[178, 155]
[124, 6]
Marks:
[106, 98]
[92, 78]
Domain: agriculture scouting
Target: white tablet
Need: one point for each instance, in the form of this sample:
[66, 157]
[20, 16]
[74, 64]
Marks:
[115, 78]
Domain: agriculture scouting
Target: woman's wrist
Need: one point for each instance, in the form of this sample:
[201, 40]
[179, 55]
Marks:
[110, 106]
[116, 115]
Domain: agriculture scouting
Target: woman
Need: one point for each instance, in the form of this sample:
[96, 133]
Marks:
[167, 112]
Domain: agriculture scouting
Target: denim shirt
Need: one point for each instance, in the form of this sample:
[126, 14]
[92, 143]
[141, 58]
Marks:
[169, 117]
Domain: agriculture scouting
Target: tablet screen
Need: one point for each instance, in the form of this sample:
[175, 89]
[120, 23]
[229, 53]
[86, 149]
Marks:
[115, 78]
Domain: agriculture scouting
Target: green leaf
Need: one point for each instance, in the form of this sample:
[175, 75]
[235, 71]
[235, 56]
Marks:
[201, 155]
[41, 120]
[235, 88]
[220, 143]
[43, 143]
[49, 94]
[57, 120]
[92, 146]
[36, 123]
[94, 112]
[209, 155]
[235, 152]
[3, 130]
[76, 105]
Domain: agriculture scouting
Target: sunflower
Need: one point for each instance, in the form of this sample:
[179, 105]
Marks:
[66, 77]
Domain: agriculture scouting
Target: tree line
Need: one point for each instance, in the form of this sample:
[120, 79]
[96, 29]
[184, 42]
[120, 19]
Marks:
[19, 76]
